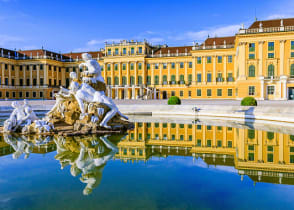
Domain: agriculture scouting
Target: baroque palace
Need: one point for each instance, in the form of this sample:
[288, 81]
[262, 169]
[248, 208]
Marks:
[258, 62]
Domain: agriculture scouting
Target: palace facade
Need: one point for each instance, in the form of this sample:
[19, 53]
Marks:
[257, 61]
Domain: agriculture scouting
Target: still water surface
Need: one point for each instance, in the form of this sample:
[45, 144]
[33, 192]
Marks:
[158, 165]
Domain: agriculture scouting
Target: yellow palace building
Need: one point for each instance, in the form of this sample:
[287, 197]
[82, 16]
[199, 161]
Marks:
[258, 61]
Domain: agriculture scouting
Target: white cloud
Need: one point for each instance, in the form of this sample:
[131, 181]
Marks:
[8, 40]
[279, 16]
[229, 30]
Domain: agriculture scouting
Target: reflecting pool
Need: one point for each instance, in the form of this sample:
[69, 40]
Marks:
[161, 164]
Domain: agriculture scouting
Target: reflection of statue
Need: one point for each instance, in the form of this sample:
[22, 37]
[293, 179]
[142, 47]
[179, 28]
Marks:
[25, 144]
[86, 157]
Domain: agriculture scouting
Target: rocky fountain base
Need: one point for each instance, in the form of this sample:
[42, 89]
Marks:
[82, 109]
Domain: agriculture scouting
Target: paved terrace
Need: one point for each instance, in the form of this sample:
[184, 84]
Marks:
[163, 102]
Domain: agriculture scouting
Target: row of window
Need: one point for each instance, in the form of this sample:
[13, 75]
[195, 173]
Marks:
[172, 81]
[270, 71]
[27, 82]
[124, 51]
[173, 125]
[23, 94]
[164, 65]
[41, 67]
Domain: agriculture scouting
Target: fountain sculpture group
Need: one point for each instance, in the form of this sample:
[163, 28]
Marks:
[84, 106]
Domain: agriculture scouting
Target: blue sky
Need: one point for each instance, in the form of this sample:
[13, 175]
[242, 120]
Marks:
[71, 25]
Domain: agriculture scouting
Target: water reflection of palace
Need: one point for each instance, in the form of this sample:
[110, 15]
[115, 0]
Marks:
[264, 156]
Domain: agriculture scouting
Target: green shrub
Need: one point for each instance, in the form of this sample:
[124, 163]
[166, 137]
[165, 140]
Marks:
[174, 100]
[248, 101]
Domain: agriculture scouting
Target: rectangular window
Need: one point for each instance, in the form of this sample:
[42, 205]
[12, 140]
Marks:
[198, 92]
[190, 64]
[251, 47]
[230, 92]
[140, 50]
[109, 52]
[270, 90]
[219, 92]
[108, 67]
[198, 77]
[124, 51]
[156, 66]
[208, 77]
[219, 59]
[219, 143]
[292, 45]
[199, 127]
[251, 90]
[271, 46]
[292, 54]
[208, 143]
[230, 59]
[251, 156]
[189, 93]
[198, 142]
[116, 51]
[270, 158]
[124, 66]
[148, 66]
[209, 59]
[173, 65]
[271, 55]
[190, 78]
[251, 56]
[132, 50]
[230, 77]
[20, 94]
[164, 66]
[230, 145]
[116, 67]
[251, 147]
[181, 65]
[198, 60]
[181, 93]
[208, 93]
[219, 77]
[139, 66]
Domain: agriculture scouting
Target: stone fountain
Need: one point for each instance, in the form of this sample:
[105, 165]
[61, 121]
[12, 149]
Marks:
[82, 109]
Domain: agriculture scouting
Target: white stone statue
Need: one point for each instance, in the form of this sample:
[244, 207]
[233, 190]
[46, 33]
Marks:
[87, 93]
[22, 117]
[93, 69]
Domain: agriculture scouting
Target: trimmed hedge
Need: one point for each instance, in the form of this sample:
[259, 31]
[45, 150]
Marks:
[174, 100]
[248, 101]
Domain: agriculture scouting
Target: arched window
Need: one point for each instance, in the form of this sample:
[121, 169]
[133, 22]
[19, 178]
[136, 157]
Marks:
[148, 80]
[271, 70]
[270, 135]
[132, 66]
[109, 80]
[164, 79]
[66, 82]
[156, 80]
[182, 79]
[124, 80]
[116, 81]
[251, 71]
[132, 80]
[292, 71]
[251, 134]
[140, 80]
